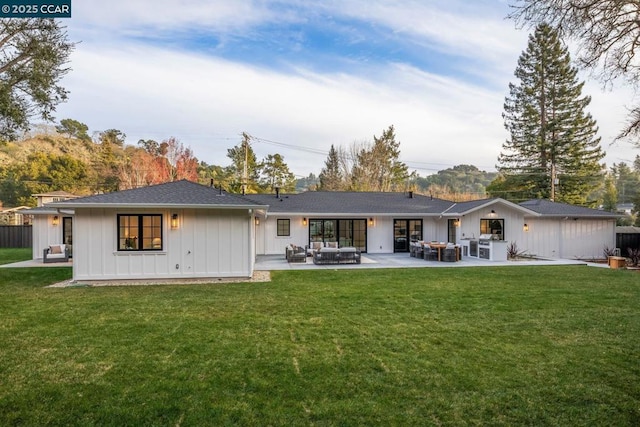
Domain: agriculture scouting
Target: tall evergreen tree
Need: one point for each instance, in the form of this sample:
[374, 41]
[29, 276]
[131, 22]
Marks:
[378, 167]
[553, 151]
[331, 178]
[276, 173]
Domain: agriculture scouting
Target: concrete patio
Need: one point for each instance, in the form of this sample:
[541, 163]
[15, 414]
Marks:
[402, 260]
[369, 261]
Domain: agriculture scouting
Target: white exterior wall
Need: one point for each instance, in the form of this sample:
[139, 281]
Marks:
[207, 244]
[379, 235]
[45, 234]
[513, 223]
[560, 238]
[268, 241]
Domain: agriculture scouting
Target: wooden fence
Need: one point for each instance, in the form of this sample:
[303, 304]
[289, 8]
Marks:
[16, 236]
[627, 237]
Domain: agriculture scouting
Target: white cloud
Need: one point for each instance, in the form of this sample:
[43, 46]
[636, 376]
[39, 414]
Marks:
[206, 101]
[140, 16]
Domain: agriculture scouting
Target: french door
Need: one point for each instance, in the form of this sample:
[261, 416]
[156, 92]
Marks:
[404, 232]
[67, 232]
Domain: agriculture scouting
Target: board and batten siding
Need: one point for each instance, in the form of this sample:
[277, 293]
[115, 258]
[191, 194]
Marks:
[513, 223]
[45, 234]
[569, 238]
[207, 244]
[269, 243]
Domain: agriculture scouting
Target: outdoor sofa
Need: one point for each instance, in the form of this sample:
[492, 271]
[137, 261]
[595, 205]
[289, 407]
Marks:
[346, 255]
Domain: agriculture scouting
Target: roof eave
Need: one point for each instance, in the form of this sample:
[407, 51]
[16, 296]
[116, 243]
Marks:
[152, 206]
[571, 216]
[490, 202]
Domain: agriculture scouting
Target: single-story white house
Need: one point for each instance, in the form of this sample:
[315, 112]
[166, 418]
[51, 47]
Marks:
[388, 222]
[186, 230]
[175, 230]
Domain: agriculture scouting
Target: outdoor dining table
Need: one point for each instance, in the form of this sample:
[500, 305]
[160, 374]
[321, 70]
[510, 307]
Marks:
[441, 246]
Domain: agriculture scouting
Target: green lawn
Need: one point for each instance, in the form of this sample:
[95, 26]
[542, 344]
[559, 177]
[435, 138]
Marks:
[441, 346]
[9, 256]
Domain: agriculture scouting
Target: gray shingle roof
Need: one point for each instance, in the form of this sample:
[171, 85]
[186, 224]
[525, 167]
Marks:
[555, 209]
[462, 208]
[362, 203]
[467, 206]
[178, 193]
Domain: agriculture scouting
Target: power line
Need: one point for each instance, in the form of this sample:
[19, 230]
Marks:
[413, 164]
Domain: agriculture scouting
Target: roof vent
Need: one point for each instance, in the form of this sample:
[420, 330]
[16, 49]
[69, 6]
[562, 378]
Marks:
[411, 194]
[211, 184]
[277, 192]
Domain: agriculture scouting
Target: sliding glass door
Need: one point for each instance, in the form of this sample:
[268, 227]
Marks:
[347, 232]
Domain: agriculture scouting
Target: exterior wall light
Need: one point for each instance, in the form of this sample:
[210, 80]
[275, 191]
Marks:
[174, 221]
[526, 227]
[456, 222]
[55, 221]
[257, 221]
[371, 222]
[304, 221]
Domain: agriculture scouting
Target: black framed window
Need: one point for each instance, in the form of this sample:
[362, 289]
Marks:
[140, 232]
[492, 226]
[346, 232]
[284, 227]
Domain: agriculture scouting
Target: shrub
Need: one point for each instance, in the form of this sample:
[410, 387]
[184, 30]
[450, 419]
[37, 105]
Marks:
[513, 251]
[607, 251]
[634, 256]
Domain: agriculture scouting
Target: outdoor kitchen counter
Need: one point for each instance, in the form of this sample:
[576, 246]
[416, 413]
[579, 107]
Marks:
[492, 250]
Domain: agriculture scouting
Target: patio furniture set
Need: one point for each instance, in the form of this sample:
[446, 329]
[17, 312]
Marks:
[323, 253]
[435, 251]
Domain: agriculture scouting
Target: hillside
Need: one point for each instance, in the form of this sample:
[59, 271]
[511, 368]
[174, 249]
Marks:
[57, 145]
[51, 161]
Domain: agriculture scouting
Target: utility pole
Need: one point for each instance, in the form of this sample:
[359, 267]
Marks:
[245, 171]
[554, 181]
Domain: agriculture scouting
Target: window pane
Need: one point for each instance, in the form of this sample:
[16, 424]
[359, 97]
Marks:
[152, 232]
[315, 230]
[128, 232]
[329, 230]
[139, 232]
[492, 226]
[284, 227]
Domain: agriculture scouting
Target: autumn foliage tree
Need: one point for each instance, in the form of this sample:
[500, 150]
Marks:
[182, 163]
[154, 163]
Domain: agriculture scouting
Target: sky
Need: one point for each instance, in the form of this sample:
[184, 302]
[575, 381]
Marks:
[300, 76]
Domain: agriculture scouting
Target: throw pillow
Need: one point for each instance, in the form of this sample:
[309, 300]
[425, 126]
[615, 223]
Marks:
[55, 249]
